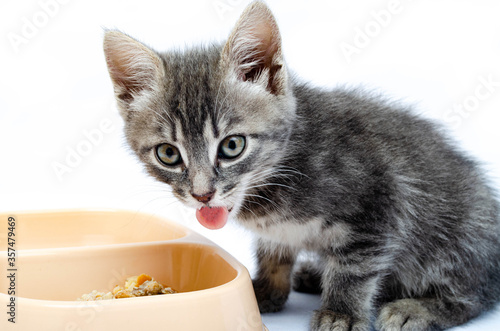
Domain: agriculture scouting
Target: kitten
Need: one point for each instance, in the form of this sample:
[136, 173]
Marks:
[405, 226]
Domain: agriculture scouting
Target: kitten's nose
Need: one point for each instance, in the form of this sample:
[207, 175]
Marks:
[206, 197]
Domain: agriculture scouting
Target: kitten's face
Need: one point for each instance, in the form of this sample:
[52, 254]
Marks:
[207, 133]
[210, 122]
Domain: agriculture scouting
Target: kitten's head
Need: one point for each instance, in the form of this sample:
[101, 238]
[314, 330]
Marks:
[210, 121]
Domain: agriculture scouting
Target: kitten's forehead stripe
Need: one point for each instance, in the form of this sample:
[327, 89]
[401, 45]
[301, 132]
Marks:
[193, 90]
[174, 131]
[215, 127]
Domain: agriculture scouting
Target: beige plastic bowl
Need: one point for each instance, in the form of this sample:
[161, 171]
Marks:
[62, 255]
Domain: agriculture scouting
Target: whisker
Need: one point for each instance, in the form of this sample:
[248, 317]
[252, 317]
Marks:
[159, 198]
[264, 175]
[144, 192]
[255, 202]
[262, 197]
[221, 105]
[247, 208]
[263, 178]
[290, 170]
[272, 184]
[163, 117]
[281, 171]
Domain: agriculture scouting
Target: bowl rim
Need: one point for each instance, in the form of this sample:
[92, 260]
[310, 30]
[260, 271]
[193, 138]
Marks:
[190, 238]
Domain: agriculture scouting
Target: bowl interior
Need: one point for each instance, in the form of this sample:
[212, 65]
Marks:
[68, 274]
[77, 229]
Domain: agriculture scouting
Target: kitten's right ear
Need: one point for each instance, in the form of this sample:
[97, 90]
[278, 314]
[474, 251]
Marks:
[133, 67]
[253, 49]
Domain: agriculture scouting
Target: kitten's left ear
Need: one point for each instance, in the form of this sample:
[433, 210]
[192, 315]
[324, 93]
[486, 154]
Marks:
[253, 50]
[133, 67]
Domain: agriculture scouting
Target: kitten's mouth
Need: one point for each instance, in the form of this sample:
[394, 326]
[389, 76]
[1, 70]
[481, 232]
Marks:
[213, 218]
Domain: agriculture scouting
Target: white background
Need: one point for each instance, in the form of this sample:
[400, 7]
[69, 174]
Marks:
[55, 92]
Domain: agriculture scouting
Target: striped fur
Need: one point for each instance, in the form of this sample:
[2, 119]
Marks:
[405, 226]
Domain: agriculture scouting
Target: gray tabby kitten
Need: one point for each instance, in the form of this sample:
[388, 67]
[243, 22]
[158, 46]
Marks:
[405, 226]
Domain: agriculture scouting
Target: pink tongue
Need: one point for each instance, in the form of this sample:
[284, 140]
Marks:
[212, 218]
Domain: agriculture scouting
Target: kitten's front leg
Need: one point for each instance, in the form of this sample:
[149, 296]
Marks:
[272, 283]
[349, 284]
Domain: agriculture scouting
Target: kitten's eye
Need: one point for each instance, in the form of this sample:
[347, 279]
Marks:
[168, 154]
[231, 147]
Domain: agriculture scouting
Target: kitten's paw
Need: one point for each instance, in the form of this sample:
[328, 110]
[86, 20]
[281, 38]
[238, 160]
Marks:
[270, 300]
[405, 315]
[307, 278]
[327, 320]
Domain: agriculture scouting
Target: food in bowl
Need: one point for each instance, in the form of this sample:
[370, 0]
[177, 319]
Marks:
[135, 286]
